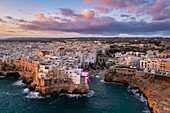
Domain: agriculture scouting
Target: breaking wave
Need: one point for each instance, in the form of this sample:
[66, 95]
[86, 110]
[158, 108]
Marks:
[142, 98]
[25, 91]
[18, 83]
[33, 95]
[90, 94]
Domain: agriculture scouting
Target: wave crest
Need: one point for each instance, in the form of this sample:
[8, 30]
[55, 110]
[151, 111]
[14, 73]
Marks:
[18, 83]
[90, 94]
[34, 95]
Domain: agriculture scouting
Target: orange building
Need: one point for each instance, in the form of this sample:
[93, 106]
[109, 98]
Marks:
[164, 65]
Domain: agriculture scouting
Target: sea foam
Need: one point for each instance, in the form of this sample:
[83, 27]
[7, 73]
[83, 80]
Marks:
[141, 97]
[90, 94]
[33, 95]
[26, 91]
[18, 83]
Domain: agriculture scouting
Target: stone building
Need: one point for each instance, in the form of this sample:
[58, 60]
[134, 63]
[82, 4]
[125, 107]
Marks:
[155, 64]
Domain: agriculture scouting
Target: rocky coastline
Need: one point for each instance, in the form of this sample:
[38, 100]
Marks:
[155, 87]
[51, 86]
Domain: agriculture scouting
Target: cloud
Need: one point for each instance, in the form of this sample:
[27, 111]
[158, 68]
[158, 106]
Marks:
[67, 12]
[84, 14]
[132, 9]
[9, 17]
[132, 18]
[88, 1]
[102, 25]
[40, 16]
[88, 13]
[118, 4]
[15, 20]
[101, 9]
[158, 9]
[2, 21]
[51, 19]
[124, 15]
[21, 20]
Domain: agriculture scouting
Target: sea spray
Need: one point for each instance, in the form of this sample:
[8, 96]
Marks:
[26, 91]
[90, 94]
[18, 83]
[141, 97]
[34, 95]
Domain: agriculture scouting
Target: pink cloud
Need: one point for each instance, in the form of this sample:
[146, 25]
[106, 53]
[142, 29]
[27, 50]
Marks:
[153, 7]
[102, 25]
[87, 13]
[118, 4]
[156, 9]
[84, 14]
[158, 5]
[89, 1]
[141, 9]
[40, 16]
[101, 9]
[132, 9]
[51, 20]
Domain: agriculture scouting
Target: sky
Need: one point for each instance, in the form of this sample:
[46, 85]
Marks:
[84, 18]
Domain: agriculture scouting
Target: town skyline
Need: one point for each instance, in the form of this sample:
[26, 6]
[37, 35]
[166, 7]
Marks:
[84, 18]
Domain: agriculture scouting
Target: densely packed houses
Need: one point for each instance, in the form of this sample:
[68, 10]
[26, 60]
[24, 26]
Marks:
[41, 59]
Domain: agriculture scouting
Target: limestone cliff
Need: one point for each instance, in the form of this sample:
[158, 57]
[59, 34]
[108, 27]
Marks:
[54, 82]
[155, 87]
[50, 86]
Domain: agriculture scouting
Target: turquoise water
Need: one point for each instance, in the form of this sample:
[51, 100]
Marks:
[103, 98]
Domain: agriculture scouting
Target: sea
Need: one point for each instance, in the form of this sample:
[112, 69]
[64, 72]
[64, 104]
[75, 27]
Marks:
[103, 97]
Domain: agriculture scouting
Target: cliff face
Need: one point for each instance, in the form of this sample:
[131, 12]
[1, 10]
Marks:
[56, 83]
[56, 86]
[155, 87]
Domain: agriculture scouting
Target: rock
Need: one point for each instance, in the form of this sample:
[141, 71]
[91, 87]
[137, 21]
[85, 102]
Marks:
[154, 87]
